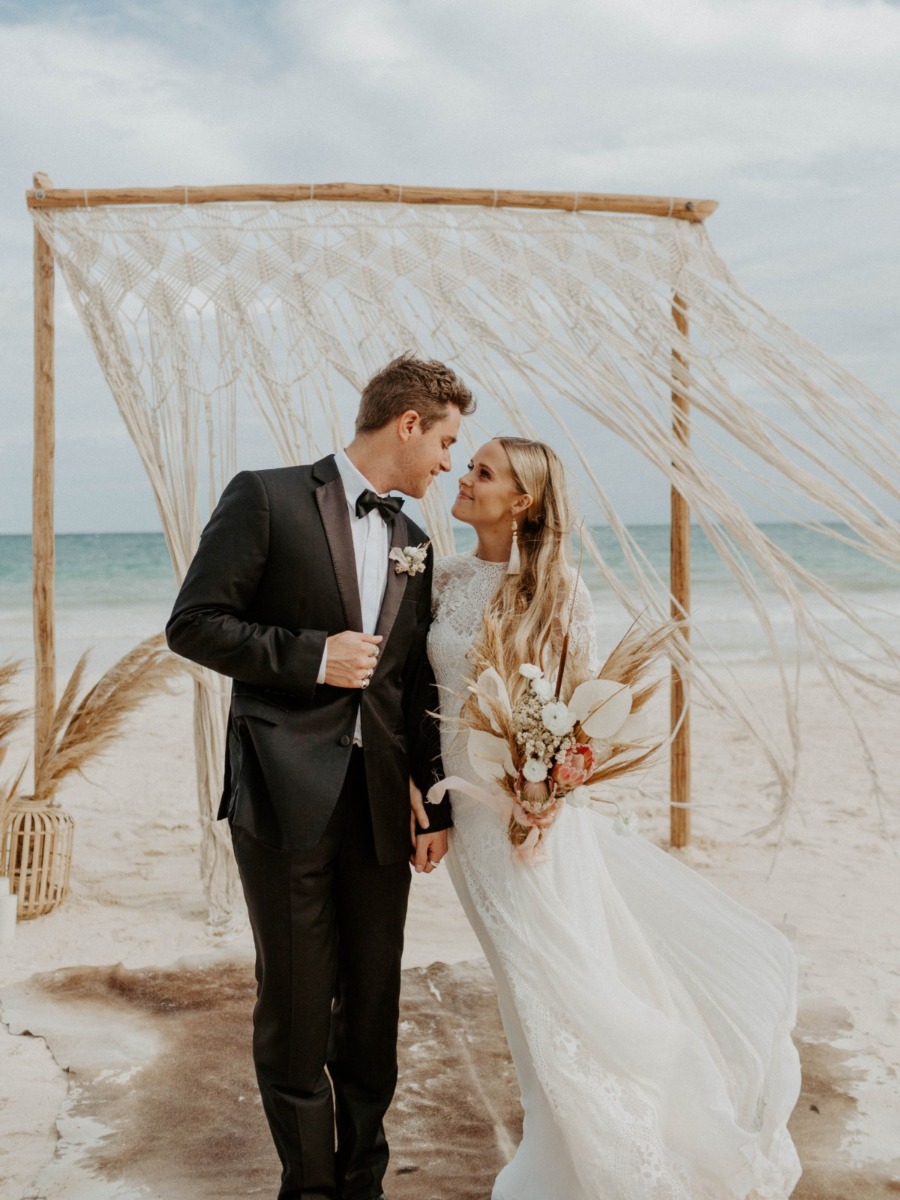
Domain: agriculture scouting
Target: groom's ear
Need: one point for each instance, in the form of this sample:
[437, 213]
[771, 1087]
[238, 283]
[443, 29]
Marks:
[406, 424]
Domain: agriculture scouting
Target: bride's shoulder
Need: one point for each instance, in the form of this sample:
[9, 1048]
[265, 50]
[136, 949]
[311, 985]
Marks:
[450, 567]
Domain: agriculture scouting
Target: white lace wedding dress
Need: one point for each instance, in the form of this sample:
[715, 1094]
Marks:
[648, 1014]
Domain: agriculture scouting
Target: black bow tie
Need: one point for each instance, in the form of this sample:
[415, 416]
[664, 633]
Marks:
[388, 506]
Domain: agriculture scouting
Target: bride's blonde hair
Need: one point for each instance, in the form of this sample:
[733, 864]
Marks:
[525, 619]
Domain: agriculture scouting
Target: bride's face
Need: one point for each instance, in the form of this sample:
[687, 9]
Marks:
[488, 497]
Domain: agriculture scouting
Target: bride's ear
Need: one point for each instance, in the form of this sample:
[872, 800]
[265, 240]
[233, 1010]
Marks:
[521, 505]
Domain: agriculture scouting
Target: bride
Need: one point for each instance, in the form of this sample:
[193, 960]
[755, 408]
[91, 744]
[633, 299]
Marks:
[648, 1015]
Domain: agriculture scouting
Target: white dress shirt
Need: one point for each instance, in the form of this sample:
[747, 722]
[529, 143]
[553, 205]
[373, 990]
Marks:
[371, 546]
[371, 543]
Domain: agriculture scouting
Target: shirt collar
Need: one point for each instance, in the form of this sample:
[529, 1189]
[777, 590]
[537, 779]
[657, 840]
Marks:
[353, 479]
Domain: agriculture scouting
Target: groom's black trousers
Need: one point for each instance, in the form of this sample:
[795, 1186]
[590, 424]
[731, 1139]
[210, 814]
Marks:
[328, 927]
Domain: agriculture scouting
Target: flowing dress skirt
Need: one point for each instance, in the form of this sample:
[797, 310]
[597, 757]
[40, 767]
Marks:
[648, 1016]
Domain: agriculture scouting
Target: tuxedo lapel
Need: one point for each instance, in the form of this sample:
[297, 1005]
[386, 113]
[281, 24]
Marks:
[332, 501]
[396, 583]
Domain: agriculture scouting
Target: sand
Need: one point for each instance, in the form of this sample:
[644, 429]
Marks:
[828, 878]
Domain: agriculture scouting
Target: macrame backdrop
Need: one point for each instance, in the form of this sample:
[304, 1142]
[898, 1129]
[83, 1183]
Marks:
[562, 324]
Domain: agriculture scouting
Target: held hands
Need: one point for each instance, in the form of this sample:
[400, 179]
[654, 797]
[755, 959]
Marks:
[428, 848]
[546, 818]
[352, 658]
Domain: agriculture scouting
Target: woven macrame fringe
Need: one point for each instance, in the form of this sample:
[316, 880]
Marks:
[562, 323]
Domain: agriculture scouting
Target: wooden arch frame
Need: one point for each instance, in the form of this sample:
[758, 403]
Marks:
[45, 196]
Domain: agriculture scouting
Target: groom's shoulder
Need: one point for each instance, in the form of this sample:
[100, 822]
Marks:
[278, 477]
[287, 480]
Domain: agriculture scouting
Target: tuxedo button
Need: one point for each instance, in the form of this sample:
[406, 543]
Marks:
[345, 740]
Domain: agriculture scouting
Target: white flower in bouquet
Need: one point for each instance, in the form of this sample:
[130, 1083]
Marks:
[530, 671]
[489, 755]
[490, 692]
[627, 824]
[534, 770]
[602, 748]
[542, 688]
[601, 707]
[579, 797]
[558, 718]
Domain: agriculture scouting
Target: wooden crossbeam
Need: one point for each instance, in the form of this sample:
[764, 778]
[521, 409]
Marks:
[677, 207]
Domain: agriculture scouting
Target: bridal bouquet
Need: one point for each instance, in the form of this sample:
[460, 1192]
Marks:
[546, 749]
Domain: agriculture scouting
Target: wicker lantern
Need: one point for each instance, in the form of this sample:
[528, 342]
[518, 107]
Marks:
[36, 854]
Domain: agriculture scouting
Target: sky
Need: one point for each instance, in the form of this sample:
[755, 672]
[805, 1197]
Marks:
[785, 111]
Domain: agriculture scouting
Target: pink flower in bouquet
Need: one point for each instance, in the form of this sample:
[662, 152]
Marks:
[575, 768]
[533, 795]
[533, 785]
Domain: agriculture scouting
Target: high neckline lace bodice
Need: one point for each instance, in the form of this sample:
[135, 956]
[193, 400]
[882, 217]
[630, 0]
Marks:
[463, 588]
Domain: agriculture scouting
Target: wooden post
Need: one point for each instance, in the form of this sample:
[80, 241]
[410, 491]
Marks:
[43, 548]
[680, 587]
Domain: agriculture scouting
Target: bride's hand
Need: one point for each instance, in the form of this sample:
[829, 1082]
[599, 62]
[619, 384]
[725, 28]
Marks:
[545, 819]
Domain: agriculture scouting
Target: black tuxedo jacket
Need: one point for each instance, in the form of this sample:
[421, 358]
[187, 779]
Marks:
[273, 577]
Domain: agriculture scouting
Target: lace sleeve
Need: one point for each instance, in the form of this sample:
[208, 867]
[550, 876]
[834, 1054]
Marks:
[583, 638]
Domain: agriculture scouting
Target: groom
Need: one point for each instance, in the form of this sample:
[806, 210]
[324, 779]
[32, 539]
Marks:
[293, 595]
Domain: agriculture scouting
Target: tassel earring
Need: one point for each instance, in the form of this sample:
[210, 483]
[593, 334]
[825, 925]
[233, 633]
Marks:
[514, 566]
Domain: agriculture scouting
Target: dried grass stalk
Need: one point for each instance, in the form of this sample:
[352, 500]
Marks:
[82, 729]
[632, 661]
[10, 720]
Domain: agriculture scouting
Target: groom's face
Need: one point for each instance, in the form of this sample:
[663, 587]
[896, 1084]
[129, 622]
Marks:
[425, 453]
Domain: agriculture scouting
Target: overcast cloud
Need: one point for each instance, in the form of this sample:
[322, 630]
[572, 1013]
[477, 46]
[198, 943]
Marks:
[786, 111]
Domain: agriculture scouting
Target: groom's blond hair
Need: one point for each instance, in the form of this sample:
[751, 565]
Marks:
[428, 387]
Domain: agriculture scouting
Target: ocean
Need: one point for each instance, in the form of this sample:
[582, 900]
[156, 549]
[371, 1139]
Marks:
[113, 589]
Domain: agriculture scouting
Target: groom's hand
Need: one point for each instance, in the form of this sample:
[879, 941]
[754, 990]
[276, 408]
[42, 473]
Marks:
[351, 659]
[430, 849]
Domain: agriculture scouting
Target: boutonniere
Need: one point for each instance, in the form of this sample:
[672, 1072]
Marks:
[410, 560]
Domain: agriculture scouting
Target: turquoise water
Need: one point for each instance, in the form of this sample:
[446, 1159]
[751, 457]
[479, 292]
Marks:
[113, 589]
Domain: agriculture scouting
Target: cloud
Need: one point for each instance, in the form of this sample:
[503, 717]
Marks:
[115, 105]
[360, 34]
[784, 110]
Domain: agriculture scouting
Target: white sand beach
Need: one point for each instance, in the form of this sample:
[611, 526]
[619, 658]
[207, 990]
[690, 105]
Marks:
[828, 878]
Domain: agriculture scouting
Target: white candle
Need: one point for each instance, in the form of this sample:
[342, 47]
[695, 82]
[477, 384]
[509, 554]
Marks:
[8, 906]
